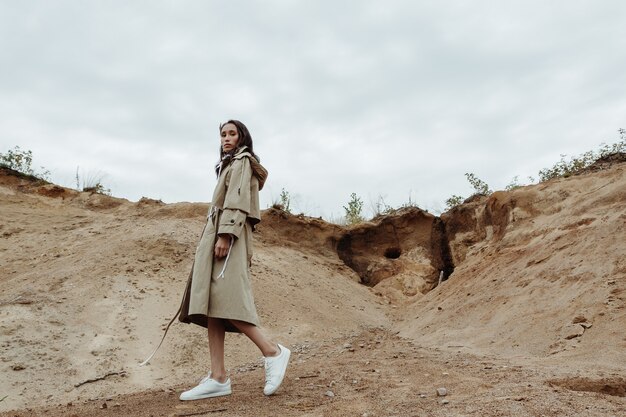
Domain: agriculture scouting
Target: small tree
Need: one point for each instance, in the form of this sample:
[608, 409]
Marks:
[354, 210]
[480, 186]
[21, 161]
[453, 201]
[285, 200]
[18, 160]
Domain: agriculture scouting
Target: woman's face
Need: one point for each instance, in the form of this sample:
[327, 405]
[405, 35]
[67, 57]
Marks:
[230, 137]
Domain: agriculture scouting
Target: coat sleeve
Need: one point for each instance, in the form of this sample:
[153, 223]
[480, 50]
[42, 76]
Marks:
[237, 201]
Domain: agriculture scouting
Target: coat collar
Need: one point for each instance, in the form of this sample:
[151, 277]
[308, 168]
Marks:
[241, 152]
[257, 169]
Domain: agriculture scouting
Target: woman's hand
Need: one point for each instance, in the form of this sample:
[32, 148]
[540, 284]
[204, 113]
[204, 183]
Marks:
[222, 245]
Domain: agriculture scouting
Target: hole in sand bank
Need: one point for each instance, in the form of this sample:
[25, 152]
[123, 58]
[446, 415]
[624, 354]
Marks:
[392, 253]
[610, 386]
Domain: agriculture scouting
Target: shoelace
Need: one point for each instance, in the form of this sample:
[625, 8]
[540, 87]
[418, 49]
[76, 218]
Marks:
[269, 363]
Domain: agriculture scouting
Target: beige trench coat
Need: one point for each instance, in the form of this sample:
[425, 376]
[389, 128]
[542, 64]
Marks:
[234, 211]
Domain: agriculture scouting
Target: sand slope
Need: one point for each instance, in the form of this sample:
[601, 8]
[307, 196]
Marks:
[530, 322]
[541, 273]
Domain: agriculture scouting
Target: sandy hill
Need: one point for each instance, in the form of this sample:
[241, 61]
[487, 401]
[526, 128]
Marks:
[529, 320]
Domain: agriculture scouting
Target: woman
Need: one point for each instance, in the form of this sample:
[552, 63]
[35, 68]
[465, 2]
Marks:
[218, 294]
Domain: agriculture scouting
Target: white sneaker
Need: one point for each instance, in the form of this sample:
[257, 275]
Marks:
[207, 388]
[275, 367]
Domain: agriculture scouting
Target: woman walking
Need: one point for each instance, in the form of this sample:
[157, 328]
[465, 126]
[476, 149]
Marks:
[218, 295]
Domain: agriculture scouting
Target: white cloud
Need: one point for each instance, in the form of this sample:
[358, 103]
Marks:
[395, 99]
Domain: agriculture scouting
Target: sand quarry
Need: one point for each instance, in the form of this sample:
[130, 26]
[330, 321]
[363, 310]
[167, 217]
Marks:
[531, 320]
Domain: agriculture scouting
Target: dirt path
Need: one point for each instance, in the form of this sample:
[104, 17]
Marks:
[375, 373]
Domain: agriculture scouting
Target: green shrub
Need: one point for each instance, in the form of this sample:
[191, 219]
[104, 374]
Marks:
[22, 161]
[453, 201]
[285, 200]
[562, 169]
[18, 160]
[354, 210]
[565, 168]
[480, 186]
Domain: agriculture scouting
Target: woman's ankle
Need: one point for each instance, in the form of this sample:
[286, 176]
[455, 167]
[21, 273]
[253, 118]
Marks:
[272, 352]
[220, 377]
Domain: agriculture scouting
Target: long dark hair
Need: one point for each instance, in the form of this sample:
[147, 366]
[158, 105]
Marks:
[245, 139]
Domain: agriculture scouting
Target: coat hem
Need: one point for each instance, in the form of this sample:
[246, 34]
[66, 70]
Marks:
[202, 320]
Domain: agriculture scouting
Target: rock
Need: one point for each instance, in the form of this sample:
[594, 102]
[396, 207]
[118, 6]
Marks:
[442, 392]
[329, 393]
[572, 331]
[586, 325]
[347, 346]
[445, 401]
[103, 406]
[422, 395]
[18, 367]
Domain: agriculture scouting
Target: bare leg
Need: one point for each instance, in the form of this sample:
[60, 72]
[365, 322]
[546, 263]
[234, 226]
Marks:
[216, 335]
[267, 347]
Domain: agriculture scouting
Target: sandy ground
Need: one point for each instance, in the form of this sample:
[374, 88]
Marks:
[530, 323]
[372, 373]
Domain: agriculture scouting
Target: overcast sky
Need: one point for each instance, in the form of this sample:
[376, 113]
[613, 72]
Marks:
[383, 98]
